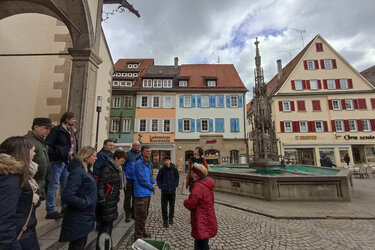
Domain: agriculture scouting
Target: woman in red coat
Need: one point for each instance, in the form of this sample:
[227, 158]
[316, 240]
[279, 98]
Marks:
[201, 206]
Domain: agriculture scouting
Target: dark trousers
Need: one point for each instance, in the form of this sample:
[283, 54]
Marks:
[103, 228]
[129, 198]
[165, 199]
[201, 244]
[78, 244]
[141, 206]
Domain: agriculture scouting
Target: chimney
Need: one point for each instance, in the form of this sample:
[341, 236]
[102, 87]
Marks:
[279, 69]
[176, 62]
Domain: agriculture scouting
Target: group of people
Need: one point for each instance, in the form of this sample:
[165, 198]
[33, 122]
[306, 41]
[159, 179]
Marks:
[34, 166]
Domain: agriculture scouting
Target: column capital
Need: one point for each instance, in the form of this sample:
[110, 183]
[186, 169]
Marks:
[85, 54]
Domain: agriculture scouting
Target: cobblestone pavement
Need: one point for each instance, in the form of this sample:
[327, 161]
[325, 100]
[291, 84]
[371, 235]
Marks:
[244, 230]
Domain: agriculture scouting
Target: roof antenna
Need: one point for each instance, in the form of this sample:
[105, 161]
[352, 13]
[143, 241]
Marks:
[300, 35]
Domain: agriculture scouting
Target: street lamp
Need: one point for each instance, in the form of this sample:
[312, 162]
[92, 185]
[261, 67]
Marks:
[98, 110]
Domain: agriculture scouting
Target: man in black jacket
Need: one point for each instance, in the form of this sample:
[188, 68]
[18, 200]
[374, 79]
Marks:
[62, 147]
[167, 180]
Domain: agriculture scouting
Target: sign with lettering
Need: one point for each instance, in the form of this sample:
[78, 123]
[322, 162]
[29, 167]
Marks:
[211, 141]
[306, 137]
[363, 137]
[160, 139]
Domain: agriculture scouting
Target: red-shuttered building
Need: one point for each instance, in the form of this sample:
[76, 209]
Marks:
[322, 106]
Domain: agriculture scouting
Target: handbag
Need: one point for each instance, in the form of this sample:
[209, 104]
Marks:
[24, 228]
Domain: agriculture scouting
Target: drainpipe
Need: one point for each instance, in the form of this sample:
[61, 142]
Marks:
[245, 120]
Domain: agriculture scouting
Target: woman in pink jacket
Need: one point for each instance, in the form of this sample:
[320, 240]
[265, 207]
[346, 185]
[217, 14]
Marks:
[201, 206]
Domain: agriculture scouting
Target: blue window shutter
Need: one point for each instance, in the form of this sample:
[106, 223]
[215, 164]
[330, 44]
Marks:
[211, 123]
[199, 101]
[221, 101]
[237, 122]
[180, 125]
[212, 101]
[228, 101]
[198, 125]
[193, 101]
[192, 125]
[232, 125]
[181, 101]
[219, 124]
[240, 101]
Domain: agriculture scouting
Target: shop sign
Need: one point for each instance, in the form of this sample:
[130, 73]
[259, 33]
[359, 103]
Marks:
[364, 137]
[211, 141]
[306, 137]
[160, 138]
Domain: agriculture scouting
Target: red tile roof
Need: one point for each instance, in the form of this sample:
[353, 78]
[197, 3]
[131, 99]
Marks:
[122, 66]
[369, 74]
[226, 75]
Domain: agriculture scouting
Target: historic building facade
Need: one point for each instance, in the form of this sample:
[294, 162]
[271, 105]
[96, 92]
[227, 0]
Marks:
[322, 106]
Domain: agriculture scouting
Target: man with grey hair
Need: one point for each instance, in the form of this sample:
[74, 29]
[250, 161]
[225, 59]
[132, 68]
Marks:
[133, 155]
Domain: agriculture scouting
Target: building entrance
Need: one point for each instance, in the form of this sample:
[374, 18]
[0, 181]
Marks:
[357, 154]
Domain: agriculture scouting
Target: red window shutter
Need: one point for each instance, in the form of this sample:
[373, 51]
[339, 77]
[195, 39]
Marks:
[355, 101]
[303, 84]
[373, 124]
[362, 104]
[334, 65]
[316, 64]
[293, 86]
[360, 125]
[350, 83]
[319, 47]
[333, 125]
[343, 106]
[305, 64]
[319, 84]
[316, 105]
[301, 105]
[337, 83]
[330, 105]
[311, 126]
[292, 105]
[346, 125]
[296, 126]
[325, 84]
[282, 129]
[308, 86]
[322, 64]
[373, 104]
[280, 106]
[325, 126]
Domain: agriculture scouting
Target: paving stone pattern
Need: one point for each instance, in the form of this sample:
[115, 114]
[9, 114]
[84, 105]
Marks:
[244, 230]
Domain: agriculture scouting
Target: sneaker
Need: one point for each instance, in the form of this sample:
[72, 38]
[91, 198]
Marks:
[171, 222]
[54, 216]
[165, 224]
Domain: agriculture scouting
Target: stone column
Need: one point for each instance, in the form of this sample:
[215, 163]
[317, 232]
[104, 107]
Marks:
[317, 156]
[350, 153]
[337, 157]
[85, 63]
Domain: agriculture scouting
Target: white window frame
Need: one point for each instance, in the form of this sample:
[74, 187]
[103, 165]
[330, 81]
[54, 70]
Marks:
[353, 126]
[186, 122]
[328, 64]
[154, 125]
[167, 83]
[207, 121]
[135, 66]
[205, 104]
[336, 104]
[153, 101]
[303, 124]
[187, 101]
[310, 64]
[344, 84]
[124, 74]
[164, 125]
[128, 99]
[331, 83]
[118, 74]
[319, 129]
[167, 104]
[157, 83]
[116, 83]
[142, 98]
[140, 125]
[135, 74]
[289, 106]
[288, 126]
[116, 102]
[349, 102]
[366, 124]
[126, 124]
[130, 66]
[314, 84]
[183, 83]
[298, 84]
[340, 127]
[211, 83]
[233, 101]
[147, 83]
[114, 124]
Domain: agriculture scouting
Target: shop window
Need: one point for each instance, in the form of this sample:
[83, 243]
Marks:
[234, 156]
[212, 156]
[343, 152]
[329, 152]
[319, 126]
[288, 126]
[339, 126]
[142, 125]
[370, 153]
[290, 157]
[353, 126]
[349, 104]
[303, 127]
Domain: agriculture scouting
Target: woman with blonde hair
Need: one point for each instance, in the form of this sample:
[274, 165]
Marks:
[201, 205]
[80, 195]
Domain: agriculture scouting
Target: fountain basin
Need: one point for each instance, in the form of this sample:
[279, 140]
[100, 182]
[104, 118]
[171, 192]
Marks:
[294, 183]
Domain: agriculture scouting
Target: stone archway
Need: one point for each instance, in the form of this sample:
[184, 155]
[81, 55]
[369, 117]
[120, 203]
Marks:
[85, 60]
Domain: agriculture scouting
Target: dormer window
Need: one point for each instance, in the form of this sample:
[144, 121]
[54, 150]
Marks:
[115, 83]
[126, 83]
[157, 83]
[183, 83]
[147, 83]
[118, 74]
[135, 74]
[167, 83]
[132, 65]
[211, 83]
[124, 74]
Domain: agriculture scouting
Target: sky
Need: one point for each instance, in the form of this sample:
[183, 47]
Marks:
[224, 31]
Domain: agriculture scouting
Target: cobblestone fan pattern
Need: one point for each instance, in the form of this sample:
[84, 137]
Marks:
[244, 230]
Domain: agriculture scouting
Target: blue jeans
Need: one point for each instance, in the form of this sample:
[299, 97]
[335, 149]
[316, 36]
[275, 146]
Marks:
[59, 176]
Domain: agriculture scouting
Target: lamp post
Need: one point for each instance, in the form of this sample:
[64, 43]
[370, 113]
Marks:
[98, 110]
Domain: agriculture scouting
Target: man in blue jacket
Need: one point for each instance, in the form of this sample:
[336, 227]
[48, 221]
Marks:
[128, 168]
[104, 155]
[144, 185]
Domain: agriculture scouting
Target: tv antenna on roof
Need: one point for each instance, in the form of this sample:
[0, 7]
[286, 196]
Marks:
[300, 35]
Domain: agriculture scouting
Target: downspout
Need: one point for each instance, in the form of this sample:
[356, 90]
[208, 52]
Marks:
[245, 120]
